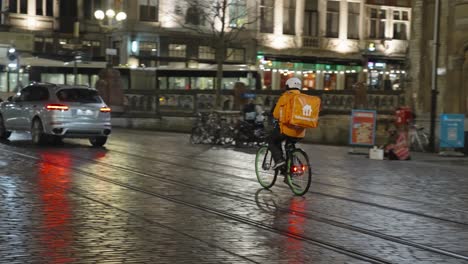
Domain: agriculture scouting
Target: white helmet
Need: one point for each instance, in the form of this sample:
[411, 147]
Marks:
[294, 83]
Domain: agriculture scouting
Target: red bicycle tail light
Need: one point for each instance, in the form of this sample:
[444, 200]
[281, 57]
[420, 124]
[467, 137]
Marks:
[57, 107]
[105, 109]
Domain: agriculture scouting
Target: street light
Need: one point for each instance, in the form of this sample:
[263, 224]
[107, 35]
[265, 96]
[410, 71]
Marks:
[112, 17]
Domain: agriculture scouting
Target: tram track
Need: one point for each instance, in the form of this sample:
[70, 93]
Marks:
[338, 248]
[310, 190]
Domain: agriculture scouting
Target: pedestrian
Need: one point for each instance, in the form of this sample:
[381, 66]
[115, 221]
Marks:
[360, 93]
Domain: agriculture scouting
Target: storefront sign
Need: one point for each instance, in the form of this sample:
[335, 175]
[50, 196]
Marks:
[452, 130]
[362, 127]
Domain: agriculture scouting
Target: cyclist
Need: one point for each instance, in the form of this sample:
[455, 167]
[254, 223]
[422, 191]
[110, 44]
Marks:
[283, 131]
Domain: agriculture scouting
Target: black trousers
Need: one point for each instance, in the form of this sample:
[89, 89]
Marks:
[275, 143]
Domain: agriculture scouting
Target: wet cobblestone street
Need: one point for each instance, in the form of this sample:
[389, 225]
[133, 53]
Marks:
[152, 197]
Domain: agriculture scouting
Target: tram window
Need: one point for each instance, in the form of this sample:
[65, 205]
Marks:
[162, 83]
[94, 79]
[56, 78]
[228, 83]
[202, 83]
[179, 83]
[81, 79]
[3, 82]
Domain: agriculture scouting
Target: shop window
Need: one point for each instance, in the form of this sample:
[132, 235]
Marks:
[267, 80]
[311, 18]
[353, 20]
[237, 13]
[309, 81]
[333, 19]
[177, 50]
[289, 17]
[206, 53]
[266, 16]
[81, 79]
[329, 81]
[149, 10]
[147, 48]
[94, 79]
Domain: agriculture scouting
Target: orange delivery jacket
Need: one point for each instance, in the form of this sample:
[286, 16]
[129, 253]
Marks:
[286, 129]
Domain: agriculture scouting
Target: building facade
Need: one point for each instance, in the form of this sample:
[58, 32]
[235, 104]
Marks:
[452, 66]
[327, 42]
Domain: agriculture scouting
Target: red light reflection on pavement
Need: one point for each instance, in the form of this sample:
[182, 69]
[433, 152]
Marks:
[296, 224]
[53, 182]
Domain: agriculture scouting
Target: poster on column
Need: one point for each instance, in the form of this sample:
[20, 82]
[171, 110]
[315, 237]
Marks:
[452, 128]
[362, 127]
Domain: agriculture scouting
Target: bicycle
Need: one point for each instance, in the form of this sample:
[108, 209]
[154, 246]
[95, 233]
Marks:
[296, 170]
[418, 138]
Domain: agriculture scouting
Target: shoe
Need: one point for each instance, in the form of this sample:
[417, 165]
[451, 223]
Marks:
[279, 164]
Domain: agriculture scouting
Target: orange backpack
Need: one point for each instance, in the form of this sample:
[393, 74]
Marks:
[301, 110]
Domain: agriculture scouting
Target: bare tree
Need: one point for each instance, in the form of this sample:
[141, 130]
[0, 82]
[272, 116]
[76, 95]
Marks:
[222, 22]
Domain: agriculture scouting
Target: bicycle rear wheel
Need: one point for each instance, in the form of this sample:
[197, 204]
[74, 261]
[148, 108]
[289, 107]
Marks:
[197, 135]
[266, 176]
[298, 171]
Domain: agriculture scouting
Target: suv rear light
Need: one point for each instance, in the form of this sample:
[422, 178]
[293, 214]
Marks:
[105, 109]
[57, 107]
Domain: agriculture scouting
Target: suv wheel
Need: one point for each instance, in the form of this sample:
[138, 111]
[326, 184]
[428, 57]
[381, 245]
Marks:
[98, 141]
[37, 132]
[4, 134]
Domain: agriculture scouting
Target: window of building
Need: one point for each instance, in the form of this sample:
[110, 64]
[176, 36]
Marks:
[39, 8]
[289, 17]
[177, 50]
[311, 18]
[90, 6]
[333, 19]
[149, 10]
[237, 13]
[353, 20]
[194, 15]
[235, 54]
[206, 53]
[3, 82]
[147, 48]
[42, 44]
[50, 8]
[92, 47]
[266, 16]
[400, 24]
[44, 7]
[377, 19]
[20, 6]
[23, 6]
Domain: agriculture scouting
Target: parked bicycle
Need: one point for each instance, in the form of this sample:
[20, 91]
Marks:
[297, 171]
[418, 138]
[212, 128]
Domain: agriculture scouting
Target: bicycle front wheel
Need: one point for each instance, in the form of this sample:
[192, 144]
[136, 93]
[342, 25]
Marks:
[266, 176]
[299, 173]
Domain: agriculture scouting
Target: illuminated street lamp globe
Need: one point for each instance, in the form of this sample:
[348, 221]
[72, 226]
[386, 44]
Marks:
[110, 14]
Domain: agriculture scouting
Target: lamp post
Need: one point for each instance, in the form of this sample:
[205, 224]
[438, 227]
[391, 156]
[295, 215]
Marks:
[113, 21]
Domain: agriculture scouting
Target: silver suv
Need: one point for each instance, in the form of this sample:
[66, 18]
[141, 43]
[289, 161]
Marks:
[52, 112]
